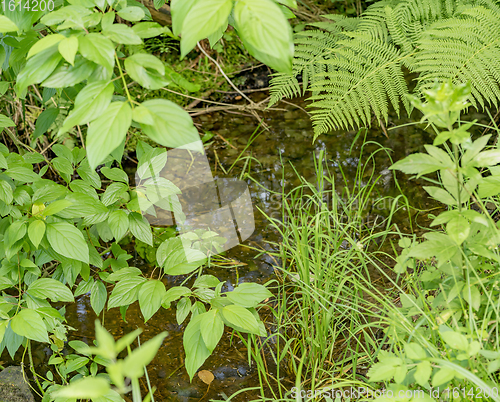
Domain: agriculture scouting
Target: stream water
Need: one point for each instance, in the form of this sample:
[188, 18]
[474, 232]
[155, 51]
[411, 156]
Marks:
[287, 141]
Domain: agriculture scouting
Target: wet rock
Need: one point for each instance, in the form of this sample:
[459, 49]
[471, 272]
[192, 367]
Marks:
[13, 388]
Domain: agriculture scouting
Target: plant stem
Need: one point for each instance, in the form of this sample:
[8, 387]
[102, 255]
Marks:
[124, 82]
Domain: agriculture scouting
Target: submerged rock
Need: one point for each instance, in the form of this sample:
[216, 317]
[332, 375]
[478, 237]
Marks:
[13, 388]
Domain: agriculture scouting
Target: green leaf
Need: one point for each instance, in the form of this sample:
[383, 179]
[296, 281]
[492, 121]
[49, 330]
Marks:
[6, 25]
[212, 328]
[441, 195]
[44, 121]
[36, 230]
[37, 69]
[90, 103]
[28, 323]
[458, 229]
[206, 281]
[419, 164]
[50, 288]
[179, 10]
[22, 174]
[6, 193]
[98, 49]
[472, 296]
[183, 261]
[414, 351]
[118, 223]
[438, 244]
[183, 309]
[203, 19]
[423, 373]
[148, 29]
[443, 376]
[67, 75]
[68, 48]
[55, 207]
[115, 174]
[125, 292]
[134, 363]
[98, 297]
[147, 70]
[172, 127]
[45, 43]
[68, 241]
[486, 158]
[194, 346]
[107, 132]
[131, 13]
[83, 388]
[249, 294]
[121, 33]
[6, 121]
[265, 32]
[174, 293]
[140, 228]
[455, 340]
[150, 297]
[241, 317]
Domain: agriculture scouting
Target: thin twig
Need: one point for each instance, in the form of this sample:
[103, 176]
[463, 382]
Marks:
[226, 141]
[224, 74]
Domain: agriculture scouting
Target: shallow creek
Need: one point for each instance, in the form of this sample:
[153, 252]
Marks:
[288, 141]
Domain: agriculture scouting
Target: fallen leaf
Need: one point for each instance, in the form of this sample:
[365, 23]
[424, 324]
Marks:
[206, 376]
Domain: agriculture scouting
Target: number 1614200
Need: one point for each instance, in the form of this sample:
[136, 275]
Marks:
[27, 5]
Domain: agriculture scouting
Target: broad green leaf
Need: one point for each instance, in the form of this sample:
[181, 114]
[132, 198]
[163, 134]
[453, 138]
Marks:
[183, 309]
[118, 223]
[6, 193]
[148, 29]
[131, 13]
[83, 388]
[82, 206]
[147, 70]
[91, 102]
[414, 351]
[115, 174]
[443, 376]
[72, 14]
[249, 294]
[212, 328]
[173, 294]
[125, 292]
[265, 32]
[124, 273]
[441, 195]
[206, 281]
[472, 296]
[419, 164]
[134, 363]
[438, 244]
[172, 127]
[98, 297]
[455, 340]
[6, 25]
[6, 121]
[240, 317]
[68, 48]
[179, 10]
[121, 33]
[183, 261]
[22, 174]
[203, 19]
[489, 186]
[45, 43]
[458, 229]
[36, 230]
[3, 327]
[55, 207]
[98, 49]
[68, 241]
[28, 323]
[68, 75]
[423, 373]
[194, 346]
[140, 228]
[107, 132]
[37, 69]
[44, 121]
[150, 297]
[486, 158]
[50, 288]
